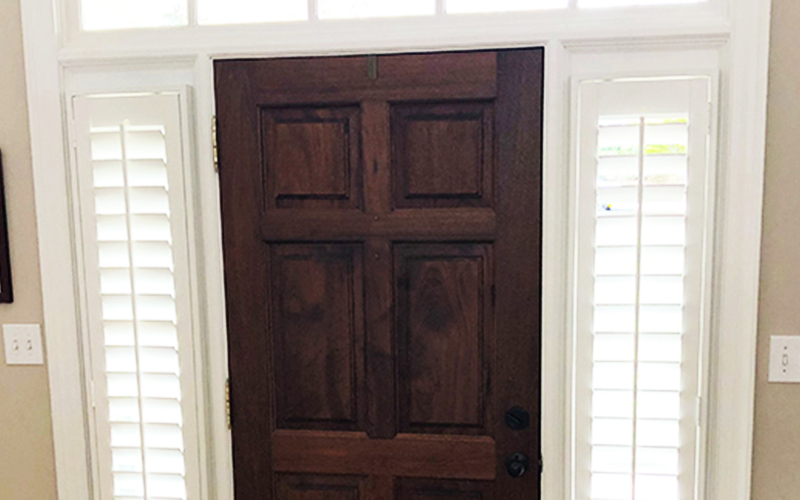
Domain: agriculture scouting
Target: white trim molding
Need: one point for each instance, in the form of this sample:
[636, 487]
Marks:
[668, 94]
[56, 252]
[739, 211]
[728, 42]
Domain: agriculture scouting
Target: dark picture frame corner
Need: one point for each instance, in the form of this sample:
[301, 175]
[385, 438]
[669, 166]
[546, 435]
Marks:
[6, 290]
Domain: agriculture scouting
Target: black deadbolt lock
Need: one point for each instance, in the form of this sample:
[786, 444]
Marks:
[517, 465]
[518, 418]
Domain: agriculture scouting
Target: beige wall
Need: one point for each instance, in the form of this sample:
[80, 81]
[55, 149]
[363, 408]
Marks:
[776, 454]
[26, 443]
[26, 456]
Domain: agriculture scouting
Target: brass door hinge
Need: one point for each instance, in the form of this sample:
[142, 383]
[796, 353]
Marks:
[214, 142]
[228, 401]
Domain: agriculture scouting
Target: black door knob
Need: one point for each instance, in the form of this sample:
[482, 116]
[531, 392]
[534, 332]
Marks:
[517, 418]
[517, 464]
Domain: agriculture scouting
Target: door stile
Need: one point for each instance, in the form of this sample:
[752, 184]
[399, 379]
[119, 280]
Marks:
[518, 287]
[380, 351]
[376, 156]
[246, 271]
[381, 387]
[380, 488]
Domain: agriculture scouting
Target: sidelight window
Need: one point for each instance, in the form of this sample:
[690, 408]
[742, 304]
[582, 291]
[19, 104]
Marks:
[139, 325]
[639, 316]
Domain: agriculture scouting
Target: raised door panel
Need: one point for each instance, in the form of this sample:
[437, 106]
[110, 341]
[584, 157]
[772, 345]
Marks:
[320, 487]
[443, 326]
[317, 325]
[442, 155]
[437, 489]
[311, 157]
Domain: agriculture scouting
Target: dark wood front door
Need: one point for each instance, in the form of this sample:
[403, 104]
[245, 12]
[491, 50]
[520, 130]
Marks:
[382, 240]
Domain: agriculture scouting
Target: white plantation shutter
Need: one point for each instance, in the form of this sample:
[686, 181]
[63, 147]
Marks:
[642, 227]
[130, 176]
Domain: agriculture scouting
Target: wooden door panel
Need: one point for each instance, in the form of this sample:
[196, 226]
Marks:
[444, 329]
[312, 157]
[338, 75]
[318, 336]
[437, 489]
[442, 154]
[405, 455]
[320, 487]
[382, 239]
[422, 224]
[463, 90]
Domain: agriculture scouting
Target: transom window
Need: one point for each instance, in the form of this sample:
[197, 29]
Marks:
[100, 15]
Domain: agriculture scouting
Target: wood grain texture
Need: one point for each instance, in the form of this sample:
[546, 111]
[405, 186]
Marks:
[312, 157]
[382, 293]
[381, 487]
[380, 353]
[375, 136]
[442, 155]
[444, 329]
[318, 342]
[452, 457]
[442, 224]
[335, 75]
[320, 487]
[246, 290]
[454, 91]
[437, 489]
[518, 261]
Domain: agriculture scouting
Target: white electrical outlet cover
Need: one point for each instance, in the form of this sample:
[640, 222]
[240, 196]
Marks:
[23, 344]
[784, 359]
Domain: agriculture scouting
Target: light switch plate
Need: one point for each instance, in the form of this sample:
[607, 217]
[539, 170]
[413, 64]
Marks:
[784, 359]
[23, 344]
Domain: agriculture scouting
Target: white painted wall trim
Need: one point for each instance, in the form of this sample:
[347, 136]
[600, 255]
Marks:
[555, 217]
[740, 191]
[743, 36]
[209, 226]
[56, 245]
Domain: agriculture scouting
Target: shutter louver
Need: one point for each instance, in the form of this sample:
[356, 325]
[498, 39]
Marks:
[135, 265]
[638, 308]
[641, 253]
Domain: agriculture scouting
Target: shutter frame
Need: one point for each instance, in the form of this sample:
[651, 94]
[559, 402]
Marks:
[643, 99]
[157, 209]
